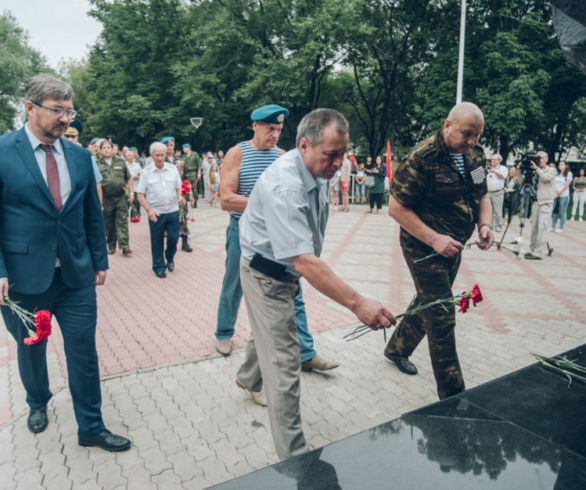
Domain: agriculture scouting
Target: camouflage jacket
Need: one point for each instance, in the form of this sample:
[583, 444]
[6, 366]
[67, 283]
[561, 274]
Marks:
[192, 163]
[114, 177]
[428, 182]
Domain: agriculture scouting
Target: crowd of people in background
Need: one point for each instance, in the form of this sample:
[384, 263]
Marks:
[362, 180]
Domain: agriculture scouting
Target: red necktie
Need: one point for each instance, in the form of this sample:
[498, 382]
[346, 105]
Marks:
[53, 176]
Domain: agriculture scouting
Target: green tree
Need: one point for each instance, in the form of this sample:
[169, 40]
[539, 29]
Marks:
[19, 63]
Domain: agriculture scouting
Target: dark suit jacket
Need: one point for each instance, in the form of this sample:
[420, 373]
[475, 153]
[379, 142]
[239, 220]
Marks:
[33, 232]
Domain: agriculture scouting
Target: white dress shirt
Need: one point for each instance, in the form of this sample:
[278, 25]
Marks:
[160, 187]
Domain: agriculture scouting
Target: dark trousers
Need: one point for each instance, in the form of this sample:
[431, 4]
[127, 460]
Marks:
[433, 279]
[169, 223]
[75, 310]
[375, 198]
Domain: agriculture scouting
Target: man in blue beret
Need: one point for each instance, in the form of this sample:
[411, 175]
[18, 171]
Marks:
[243, 165]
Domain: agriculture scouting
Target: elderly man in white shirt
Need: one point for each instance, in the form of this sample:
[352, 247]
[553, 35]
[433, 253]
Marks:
[495, 182]
[159, 193]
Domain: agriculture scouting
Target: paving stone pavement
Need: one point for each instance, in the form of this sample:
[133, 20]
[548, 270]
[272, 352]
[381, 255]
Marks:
[166, 388]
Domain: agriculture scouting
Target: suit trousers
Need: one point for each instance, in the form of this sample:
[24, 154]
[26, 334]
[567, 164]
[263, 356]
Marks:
[76, 312]
[231, 296]
[272, 355]
[168, 222]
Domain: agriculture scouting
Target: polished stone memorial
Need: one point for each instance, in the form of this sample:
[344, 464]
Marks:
[525, 430]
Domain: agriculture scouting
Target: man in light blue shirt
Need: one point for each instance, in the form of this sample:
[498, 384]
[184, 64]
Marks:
[281, 237]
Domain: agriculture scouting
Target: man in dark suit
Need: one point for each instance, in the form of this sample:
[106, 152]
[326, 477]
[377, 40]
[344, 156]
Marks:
[53, 254]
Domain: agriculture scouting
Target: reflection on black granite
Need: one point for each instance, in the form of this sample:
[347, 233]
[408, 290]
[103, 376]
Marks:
[478, 446]
[420, 451]
[540, 401]
[304, 470]
[525, 430]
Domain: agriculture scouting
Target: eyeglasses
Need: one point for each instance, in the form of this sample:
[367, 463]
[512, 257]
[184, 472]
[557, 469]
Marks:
[58, 111]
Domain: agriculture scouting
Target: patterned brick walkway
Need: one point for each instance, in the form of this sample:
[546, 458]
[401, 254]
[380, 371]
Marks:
[166, 388]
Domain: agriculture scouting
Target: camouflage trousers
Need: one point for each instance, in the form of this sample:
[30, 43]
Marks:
[116, 221]
[433, 279]
[183, 228]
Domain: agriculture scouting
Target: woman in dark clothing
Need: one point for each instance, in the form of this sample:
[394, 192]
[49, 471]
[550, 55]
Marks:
[379, 171]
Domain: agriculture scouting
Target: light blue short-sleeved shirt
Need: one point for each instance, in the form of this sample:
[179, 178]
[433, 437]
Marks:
[286, 214]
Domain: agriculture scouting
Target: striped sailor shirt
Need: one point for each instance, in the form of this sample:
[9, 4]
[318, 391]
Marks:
[254, 163]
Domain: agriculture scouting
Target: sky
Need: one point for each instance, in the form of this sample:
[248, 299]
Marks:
[58, 29]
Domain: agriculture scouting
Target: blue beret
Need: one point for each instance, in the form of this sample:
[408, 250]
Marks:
[166, 139]
[186, 145]
[94, 141]
[133, 148]
[271, 113]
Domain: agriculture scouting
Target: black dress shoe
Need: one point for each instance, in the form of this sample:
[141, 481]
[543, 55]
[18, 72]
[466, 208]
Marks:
[171, 266]
[530, 256]
[37, 419]
[404, 364]
[106, 440]
[161, 274]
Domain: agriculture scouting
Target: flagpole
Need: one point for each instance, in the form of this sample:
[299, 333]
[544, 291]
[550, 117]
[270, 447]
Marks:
[461, 54]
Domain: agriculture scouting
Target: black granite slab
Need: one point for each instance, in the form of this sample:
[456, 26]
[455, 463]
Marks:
[526, 430]
[539, 401]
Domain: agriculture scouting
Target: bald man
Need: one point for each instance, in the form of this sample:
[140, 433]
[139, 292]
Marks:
[438, 196]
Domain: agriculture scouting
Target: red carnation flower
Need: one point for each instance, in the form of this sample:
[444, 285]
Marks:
[476, 295]
[464, 304]
[43, 325]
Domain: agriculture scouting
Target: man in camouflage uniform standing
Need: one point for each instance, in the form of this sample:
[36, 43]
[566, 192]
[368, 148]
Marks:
[117, 193]
[438, 195]
[192, 169]
[187, 193]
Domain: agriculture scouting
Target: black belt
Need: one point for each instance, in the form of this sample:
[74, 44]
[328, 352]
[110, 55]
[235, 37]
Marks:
[271, 268]
[500, 190]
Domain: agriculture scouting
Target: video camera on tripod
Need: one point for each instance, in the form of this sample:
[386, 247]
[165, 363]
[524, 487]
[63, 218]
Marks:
[526, 169]
[527, 194]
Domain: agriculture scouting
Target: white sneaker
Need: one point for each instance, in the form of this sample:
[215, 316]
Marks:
[559, 230]
[580, 218]
[573, 218]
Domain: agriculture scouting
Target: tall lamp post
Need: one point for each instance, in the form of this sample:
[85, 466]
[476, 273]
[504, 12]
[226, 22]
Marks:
[461, 54]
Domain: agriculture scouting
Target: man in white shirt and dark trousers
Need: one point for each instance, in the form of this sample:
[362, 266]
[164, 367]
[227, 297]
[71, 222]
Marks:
[159, 193]
[495, 181]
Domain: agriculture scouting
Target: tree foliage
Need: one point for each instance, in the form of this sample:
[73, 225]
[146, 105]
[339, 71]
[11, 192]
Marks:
[19, 63]
[389, 65]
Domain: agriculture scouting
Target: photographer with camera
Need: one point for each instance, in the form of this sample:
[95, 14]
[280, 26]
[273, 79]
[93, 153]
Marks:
[542, 207]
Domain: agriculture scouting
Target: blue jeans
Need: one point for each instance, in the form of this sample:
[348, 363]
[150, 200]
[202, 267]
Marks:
[168, 222]
[231, 296]
[562, 211]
